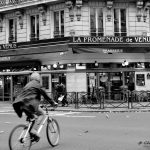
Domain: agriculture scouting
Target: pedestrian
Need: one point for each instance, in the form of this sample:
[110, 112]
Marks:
[28, 101]
[61, 94]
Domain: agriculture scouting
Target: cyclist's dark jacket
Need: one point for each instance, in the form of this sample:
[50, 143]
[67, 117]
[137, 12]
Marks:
[29, 98]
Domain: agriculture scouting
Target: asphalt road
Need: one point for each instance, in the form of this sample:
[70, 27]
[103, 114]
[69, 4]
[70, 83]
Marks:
[89, 131]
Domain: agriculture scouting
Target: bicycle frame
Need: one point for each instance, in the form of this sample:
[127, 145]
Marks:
[42, 124]
[27, 131]
[31, 124]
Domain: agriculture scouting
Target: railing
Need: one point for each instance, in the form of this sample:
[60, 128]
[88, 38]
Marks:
[120, 32]
[101, 99]
[34, 37]
[97, 32]
[12, 39]
[140, 99]
[58, 34]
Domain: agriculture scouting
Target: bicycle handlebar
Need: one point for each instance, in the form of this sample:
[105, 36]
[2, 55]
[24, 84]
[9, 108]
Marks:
[46, 107]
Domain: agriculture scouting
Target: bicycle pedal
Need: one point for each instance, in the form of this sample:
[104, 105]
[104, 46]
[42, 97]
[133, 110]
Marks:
[36, 139]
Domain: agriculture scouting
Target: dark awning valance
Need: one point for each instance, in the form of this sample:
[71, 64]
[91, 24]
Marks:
[20, 64]
[35, 50]
[111, 49]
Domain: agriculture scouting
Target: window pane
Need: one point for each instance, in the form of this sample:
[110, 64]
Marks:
[56, 21]
[116, 22]
[100, 22]
[123, 22]
[45, 82]
[37, 26]
[15, 27]
[62, 23]
[33, 25]
[93, 21]
[12, 30]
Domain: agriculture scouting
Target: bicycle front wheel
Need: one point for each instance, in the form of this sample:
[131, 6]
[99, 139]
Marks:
[53, 132]
[17, 140]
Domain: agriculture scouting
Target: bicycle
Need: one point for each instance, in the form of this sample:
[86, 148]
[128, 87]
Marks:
[25, 139]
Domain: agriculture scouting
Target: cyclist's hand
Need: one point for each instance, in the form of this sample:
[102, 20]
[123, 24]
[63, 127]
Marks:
[54, 104]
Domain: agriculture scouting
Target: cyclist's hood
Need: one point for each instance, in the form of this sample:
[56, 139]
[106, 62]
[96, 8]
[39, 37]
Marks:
[35, 76]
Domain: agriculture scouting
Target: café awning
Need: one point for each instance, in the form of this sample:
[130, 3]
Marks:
[35, 50]
[108, 49]
[19, 64]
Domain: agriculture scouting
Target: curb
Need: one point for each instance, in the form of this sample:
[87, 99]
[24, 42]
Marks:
[102, 111]
[90, 111]
[69, 109]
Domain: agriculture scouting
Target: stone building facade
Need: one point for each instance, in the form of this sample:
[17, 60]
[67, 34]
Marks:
[84, 44]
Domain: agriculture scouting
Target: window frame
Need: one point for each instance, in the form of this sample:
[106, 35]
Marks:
[120, 32]
[59, 33]
[36, 34]
[97, 33]
[12, 37]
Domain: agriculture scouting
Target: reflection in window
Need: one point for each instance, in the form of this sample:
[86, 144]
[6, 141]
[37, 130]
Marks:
[12, 30]
[120, 22]
[45, 82]
[96, 21]
[34, 27]
[59, 24]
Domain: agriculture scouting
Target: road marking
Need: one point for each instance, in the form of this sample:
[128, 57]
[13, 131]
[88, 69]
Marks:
[1, 132]
[50, 113]
[62, 113]
[81, 116]
[7, 113]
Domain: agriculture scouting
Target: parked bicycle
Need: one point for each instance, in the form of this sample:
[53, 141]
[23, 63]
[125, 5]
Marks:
[21, 138]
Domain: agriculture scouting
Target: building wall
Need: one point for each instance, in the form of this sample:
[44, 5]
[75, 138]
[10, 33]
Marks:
[76, 82]
[82, 27]
[146, 87]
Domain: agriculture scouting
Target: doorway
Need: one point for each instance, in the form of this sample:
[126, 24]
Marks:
[18, 81]
[5, 88]
[58, 79]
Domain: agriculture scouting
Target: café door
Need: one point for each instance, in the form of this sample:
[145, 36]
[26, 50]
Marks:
[5, 88]
[108, 82]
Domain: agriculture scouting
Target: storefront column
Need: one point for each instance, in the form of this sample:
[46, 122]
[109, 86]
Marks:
[11, 89]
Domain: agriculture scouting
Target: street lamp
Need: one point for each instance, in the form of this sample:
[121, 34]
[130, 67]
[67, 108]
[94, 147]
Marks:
[125, 63]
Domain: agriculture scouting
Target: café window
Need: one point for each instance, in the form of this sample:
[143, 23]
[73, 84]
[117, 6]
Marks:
[120, 22]
[59, 23]
[34, 27]
[12, 30]
[96, 22]
[140, 79]
[45, 82]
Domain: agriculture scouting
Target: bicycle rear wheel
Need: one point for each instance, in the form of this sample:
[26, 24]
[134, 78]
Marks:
[53, 132]
[16, 138]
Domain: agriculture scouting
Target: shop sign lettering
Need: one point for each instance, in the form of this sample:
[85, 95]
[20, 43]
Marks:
[4, 58]
[8, 46]
[112, 50]
[110, 39]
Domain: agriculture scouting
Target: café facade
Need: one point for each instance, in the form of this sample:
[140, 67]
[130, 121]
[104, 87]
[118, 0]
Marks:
[84, 44]
[81, 63]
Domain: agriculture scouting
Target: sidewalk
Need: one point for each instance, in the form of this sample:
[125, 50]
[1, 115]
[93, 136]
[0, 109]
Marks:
[7, 107]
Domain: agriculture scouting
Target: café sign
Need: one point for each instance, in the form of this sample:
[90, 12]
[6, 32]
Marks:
[110, 39]
[8, 46]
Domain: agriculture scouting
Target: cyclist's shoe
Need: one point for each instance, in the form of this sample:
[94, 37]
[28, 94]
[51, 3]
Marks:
[34, 136]
[55, 104]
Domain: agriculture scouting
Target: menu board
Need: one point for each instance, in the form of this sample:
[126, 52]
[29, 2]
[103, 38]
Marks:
[140, 79]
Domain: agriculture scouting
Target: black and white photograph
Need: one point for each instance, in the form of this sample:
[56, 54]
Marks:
[75, 74]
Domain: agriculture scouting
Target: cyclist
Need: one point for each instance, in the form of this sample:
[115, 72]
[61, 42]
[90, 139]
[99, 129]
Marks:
[28, 101]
